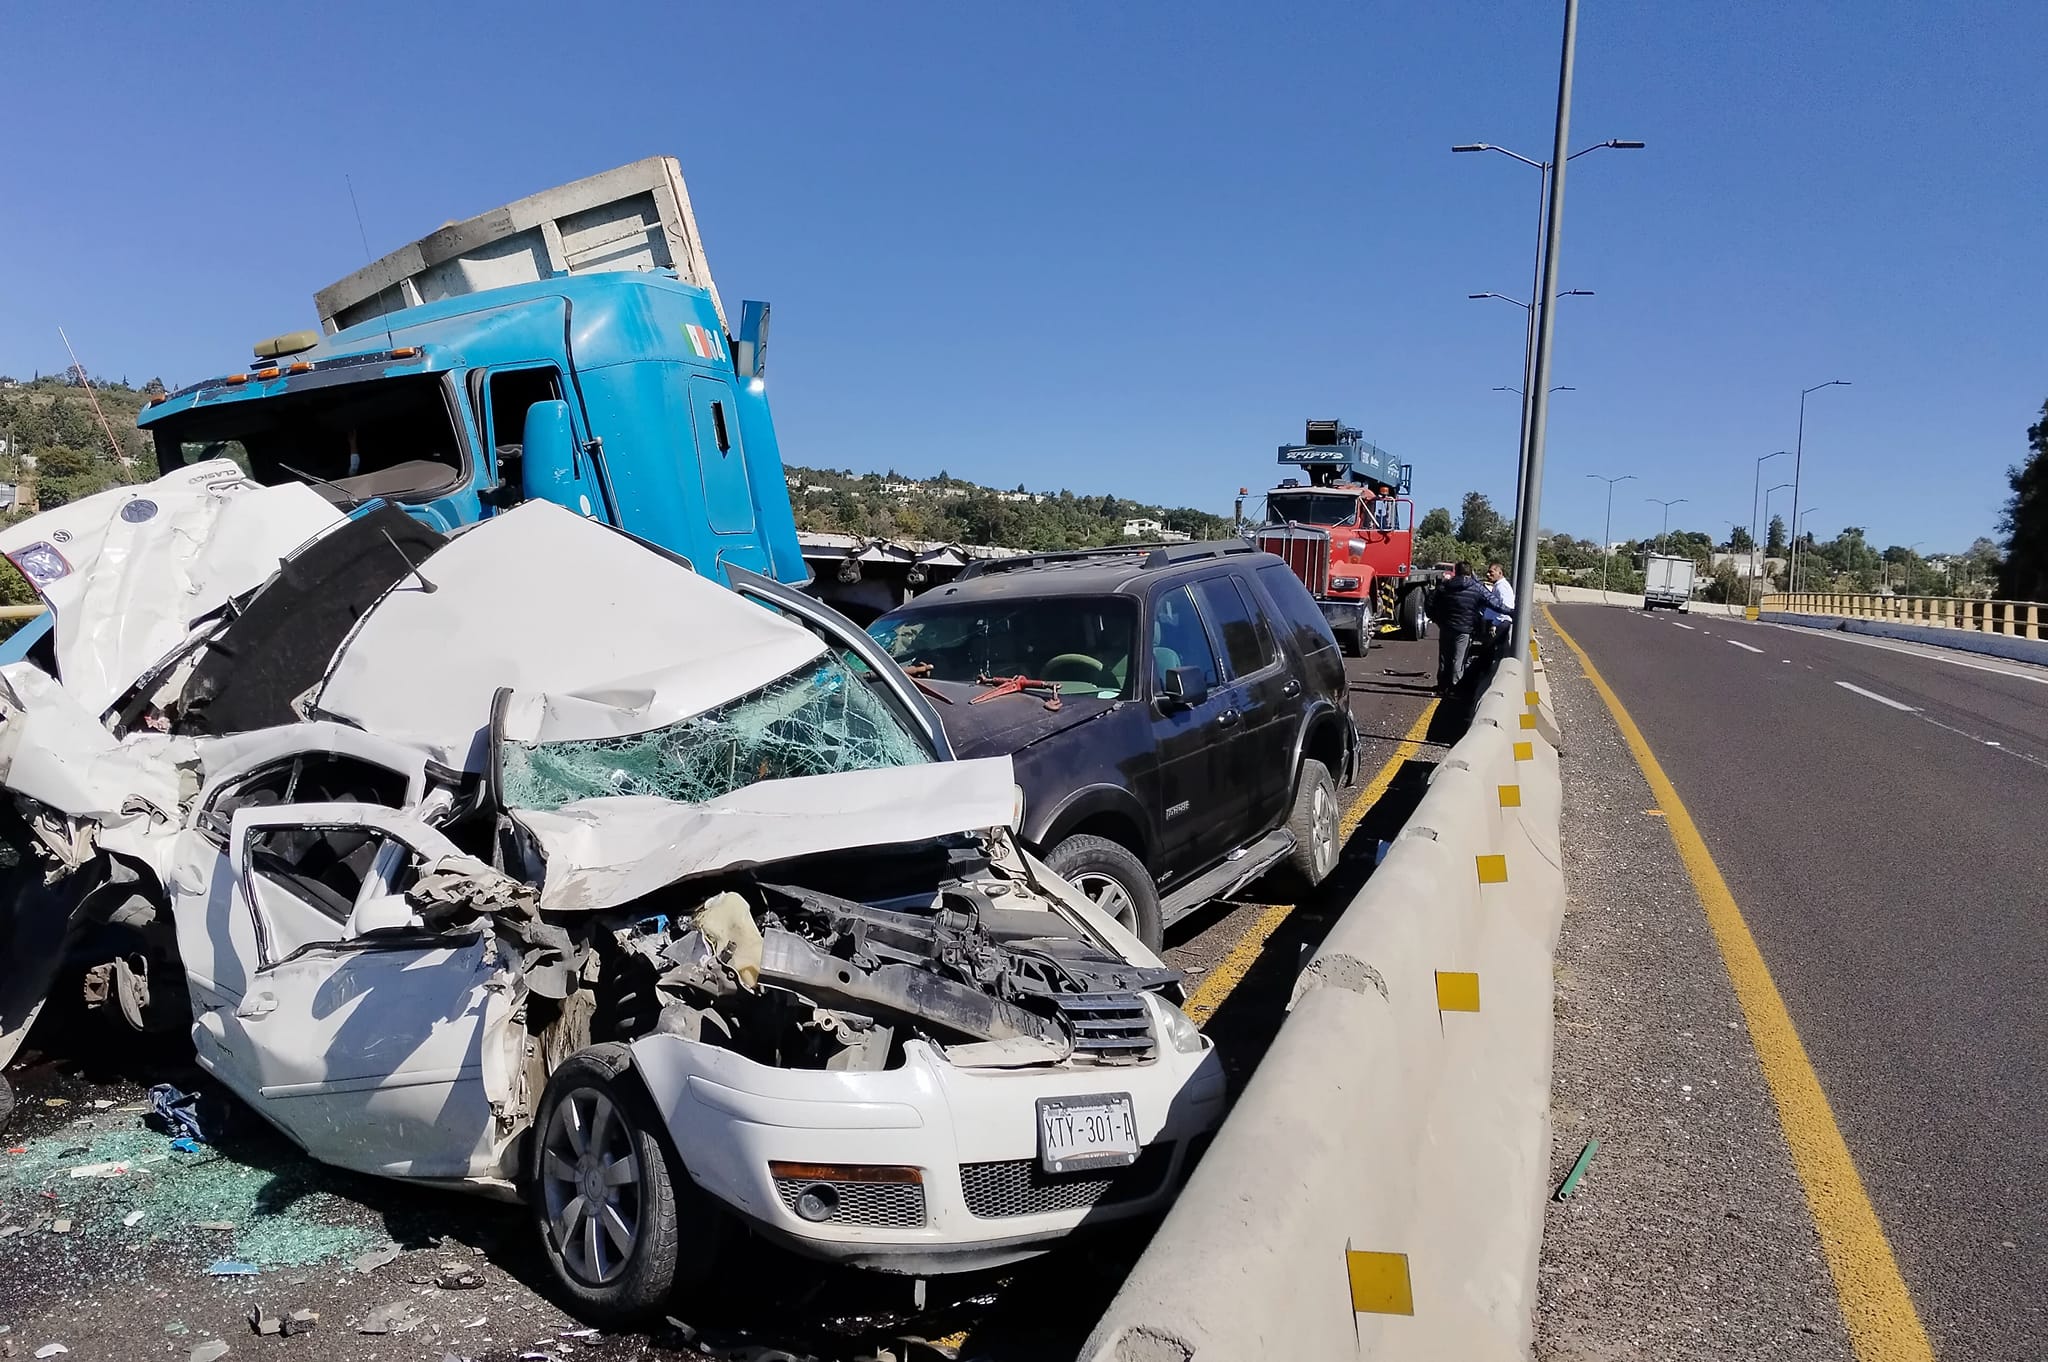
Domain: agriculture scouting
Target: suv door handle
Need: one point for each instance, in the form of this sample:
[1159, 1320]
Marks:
[1292, 688]
[1227, 718]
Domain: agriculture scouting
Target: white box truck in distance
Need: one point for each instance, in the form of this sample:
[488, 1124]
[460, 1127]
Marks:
[1667, 581]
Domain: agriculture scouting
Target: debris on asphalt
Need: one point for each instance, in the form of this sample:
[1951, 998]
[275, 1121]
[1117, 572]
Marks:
[1571, 1180]
[394, 1317]
[60, 1226]
[132, 1219]
[265, 1325]
[378, 1257]
[229, 1267]
[458, 1277]
[51, 1350]
[210, 1351]
[301, 1322]
[228, 1225]
[177, 1112]
[100, 1170]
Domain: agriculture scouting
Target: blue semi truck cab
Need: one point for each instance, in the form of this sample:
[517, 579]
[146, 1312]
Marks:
[570, 347]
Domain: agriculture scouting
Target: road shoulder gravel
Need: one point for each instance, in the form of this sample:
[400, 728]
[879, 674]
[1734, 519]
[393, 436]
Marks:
[1689, 1236]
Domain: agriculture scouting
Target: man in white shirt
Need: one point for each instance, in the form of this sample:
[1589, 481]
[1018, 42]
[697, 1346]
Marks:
[1499, 610]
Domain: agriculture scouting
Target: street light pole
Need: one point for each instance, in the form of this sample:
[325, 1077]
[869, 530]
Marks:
[1798, 517]
[1537, 334]
[1753, 524]
[1665, 533]
[1767, 516]
[1607, 528]
[1798, 459]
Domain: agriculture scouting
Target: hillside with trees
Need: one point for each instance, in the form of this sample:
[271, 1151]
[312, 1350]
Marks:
[54, 447]
[946, 509]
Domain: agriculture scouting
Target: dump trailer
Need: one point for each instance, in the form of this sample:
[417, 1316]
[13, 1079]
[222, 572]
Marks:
[569, 347]
[1348, 532]
[1667, 581]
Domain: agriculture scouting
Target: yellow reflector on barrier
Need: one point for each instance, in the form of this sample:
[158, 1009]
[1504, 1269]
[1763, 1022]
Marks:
[1379, 1282]
[1532, 698]
[1493, 869]
[1528, 721]
[1511, 796]
[1525, 751]
[1456, 992]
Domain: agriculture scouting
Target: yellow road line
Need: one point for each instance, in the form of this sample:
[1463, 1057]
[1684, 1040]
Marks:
[1232, 968]
[1883, 1325]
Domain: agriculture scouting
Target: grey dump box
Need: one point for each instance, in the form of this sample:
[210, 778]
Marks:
[636, 217]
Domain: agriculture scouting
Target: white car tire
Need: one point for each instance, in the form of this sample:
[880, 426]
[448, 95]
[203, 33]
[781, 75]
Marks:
[608, 1194]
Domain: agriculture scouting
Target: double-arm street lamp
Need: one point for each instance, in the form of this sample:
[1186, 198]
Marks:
[1607, 530]
[1665, 533]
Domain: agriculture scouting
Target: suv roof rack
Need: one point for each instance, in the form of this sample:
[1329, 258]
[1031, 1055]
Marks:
[1156, 556]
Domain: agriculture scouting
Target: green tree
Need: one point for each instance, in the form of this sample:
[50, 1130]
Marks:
[1478, 522]
[1774, 538]
[1438, 521]
[1739, 540]
[2023, 576]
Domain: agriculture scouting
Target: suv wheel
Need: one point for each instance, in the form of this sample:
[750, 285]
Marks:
[1316, 824]
[1113, 880]
[608, 1196]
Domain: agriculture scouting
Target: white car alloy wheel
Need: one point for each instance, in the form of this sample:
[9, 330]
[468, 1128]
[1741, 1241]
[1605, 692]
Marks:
[1110, 896]
[590, 1179]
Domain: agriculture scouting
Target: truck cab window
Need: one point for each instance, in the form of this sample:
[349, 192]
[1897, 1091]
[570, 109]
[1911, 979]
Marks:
[511, 393]
[375, 437]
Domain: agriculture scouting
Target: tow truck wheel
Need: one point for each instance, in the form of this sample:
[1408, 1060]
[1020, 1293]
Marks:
[609, 1196]
[1113, 880]
[1414, 623]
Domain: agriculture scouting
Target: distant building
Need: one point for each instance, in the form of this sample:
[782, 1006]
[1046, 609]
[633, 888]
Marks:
[1764, 567]
[1141, 528]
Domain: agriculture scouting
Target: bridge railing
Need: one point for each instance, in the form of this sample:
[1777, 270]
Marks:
[2014, 619]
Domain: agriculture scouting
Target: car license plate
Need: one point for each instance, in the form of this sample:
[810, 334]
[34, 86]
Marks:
[1099, 1131]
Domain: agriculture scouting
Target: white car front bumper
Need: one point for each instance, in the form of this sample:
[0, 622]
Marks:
[979, 1200]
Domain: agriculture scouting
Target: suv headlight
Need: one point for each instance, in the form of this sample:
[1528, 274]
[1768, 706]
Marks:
[1176, 1029]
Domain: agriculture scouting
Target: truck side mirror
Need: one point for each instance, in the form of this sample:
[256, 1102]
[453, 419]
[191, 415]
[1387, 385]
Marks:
[750, 358]
[548, 466]
[1186, 686]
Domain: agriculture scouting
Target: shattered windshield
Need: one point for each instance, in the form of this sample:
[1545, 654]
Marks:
[818, 720]
[1082, 644]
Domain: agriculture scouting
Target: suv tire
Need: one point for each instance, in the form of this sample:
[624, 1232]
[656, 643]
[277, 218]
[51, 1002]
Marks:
[1316, 823]
[1113, 880]
[593, 1100]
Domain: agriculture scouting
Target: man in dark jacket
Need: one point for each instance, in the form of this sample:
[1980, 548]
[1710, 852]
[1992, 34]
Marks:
[1455, 606]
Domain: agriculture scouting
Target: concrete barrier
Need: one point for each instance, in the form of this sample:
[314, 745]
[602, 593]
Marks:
[1963, 640]
[1569, 595]
[1378, 1190]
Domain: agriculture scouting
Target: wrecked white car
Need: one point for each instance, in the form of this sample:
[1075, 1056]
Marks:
[531, 861]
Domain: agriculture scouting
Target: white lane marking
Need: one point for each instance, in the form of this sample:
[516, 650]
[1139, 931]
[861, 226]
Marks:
[1744, 646]
[1931, 652]
[1881, 699]
[1988, 742]
[1687, 627]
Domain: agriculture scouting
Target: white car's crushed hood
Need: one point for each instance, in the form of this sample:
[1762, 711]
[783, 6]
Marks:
[126, 571]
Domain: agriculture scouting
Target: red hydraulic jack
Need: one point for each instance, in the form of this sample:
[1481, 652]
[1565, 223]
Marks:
[1017, 685]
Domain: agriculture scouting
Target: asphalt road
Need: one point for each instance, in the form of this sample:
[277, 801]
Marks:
[1878, 813]
[121, 1291]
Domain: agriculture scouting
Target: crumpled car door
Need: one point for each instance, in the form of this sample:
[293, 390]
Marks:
[377, 1045]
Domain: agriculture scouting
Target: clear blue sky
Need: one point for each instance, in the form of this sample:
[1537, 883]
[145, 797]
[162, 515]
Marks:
[1129, 248]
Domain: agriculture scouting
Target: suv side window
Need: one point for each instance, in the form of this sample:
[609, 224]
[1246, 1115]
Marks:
[1236, 625]
[1297, 607]
[1178, 638]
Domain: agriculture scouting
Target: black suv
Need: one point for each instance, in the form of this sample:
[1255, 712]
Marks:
[1178, 714]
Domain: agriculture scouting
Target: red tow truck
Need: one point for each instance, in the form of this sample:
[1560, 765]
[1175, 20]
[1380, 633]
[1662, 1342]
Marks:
[1349, 534]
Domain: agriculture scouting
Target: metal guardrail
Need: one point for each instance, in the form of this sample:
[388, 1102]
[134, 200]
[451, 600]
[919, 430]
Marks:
[21, 612]
[2014, 619]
